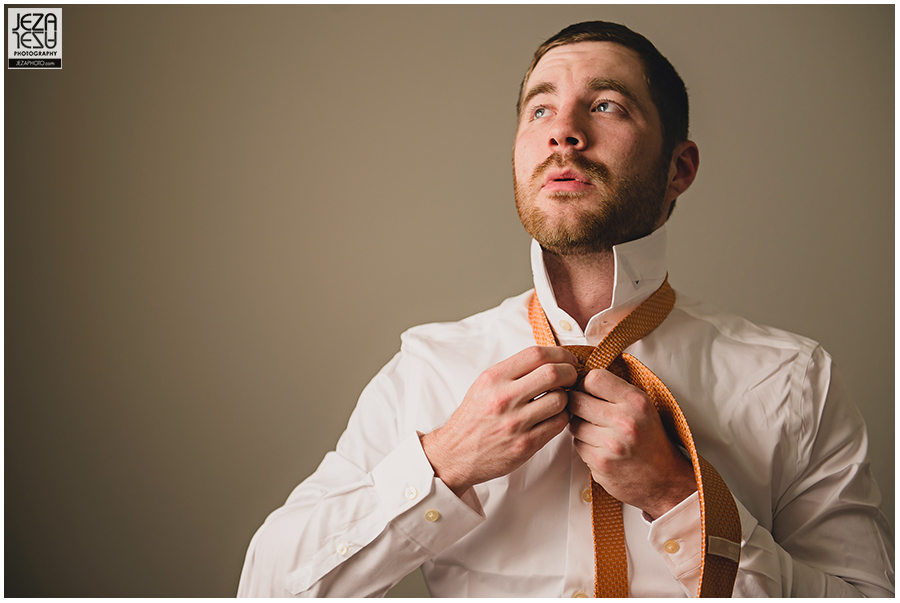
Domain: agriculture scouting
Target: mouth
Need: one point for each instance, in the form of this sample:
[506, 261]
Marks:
[566, 180]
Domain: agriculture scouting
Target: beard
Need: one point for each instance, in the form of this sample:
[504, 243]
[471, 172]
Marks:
[627, 208]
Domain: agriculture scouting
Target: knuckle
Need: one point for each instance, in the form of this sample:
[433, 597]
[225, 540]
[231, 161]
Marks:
[556, 402]
[617, 448]
[562, 401]
[533, 354]
[593, 378]
[491, 376]
[520, 447]
[640, 401]
[499, 403]
[551, 372]
[575, 404]
[628, 431]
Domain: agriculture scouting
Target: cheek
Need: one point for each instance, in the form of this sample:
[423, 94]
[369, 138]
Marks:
[641, 149]
[629, 152]
[523, 160]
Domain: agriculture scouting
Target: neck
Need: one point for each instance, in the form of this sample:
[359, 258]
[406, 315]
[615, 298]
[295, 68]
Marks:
[583, 284]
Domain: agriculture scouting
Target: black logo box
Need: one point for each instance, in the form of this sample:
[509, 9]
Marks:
[35, 63]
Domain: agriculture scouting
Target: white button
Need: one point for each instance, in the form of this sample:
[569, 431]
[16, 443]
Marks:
[411, 493]
[432, 515]
[342, 549]
[565, 326]
[580, 595]
[672, 547]
[586, 495]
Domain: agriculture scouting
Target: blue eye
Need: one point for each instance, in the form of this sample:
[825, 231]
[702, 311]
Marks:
[608, 107]
[539, 113]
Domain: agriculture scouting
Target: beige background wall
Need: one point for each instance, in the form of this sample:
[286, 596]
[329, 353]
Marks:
[207, 208]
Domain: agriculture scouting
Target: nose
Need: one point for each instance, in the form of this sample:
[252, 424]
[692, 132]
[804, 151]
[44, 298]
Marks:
[568, 131]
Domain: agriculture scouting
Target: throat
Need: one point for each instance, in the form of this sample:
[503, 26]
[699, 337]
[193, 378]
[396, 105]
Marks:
[582, 284]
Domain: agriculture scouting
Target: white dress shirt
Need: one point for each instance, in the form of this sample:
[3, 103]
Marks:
[765, 407]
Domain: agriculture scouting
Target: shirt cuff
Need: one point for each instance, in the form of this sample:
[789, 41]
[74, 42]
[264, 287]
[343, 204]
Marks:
[421, 504]
[676, 537]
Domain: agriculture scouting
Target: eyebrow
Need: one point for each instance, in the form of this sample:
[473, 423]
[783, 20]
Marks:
[597, 84]
[542, 88]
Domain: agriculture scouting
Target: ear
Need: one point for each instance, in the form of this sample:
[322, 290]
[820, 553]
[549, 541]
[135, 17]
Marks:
[682, 170]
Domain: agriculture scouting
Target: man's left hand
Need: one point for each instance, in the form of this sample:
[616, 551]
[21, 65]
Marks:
[620, 436]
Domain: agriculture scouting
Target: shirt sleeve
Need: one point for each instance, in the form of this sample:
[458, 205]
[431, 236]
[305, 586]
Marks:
[675, 536]
[828, 537]
[371, 513]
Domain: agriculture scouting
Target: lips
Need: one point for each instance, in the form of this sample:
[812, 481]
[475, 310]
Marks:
[566, 179]
[569, 172]
[563, 175]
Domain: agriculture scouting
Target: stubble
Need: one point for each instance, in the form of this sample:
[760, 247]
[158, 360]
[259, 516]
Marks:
[622, 209]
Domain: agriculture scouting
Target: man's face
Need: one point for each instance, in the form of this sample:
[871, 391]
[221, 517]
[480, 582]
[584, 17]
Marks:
[588, 166]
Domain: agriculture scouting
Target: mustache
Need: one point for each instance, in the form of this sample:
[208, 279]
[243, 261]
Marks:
[593, 170]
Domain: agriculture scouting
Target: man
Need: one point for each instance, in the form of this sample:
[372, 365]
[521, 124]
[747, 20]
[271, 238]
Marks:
[471, 454]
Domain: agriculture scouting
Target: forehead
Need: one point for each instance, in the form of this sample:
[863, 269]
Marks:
[584, 61]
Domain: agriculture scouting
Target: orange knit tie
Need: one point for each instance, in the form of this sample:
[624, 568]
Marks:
[720, 523]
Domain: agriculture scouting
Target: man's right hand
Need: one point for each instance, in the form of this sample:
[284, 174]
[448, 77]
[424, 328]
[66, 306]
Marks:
[500, 424]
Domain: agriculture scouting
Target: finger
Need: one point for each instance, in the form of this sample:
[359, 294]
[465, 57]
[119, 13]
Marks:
[602, 384]
[544, 378]
[523, 363]
[545, 407]
[599, 446]
[551, 427]
[586, 432]
[590, 408]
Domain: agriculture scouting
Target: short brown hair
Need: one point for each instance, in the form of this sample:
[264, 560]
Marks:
[666, 87]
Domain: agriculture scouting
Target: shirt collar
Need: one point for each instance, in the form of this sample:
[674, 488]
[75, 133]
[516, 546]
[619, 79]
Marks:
[640, 270]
